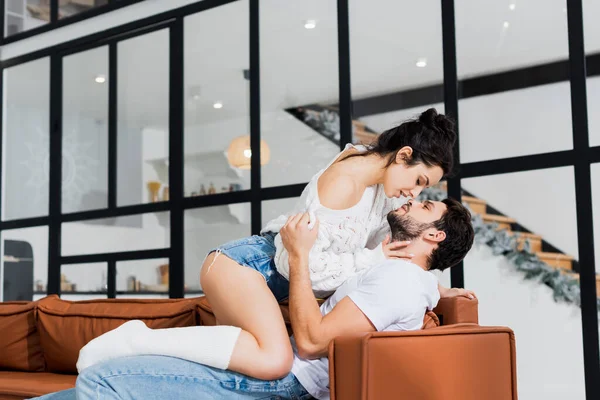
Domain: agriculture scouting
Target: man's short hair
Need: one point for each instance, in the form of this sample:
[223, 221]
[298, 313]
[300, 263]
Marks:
[456, 223]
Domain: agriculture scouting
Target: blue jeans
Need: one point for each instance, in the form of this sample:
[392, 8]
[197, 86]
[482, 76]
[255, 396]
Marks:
[258, 252]
[157, 377]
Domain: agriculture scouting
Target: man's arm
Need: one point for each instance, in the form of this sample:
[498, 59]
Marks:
[312, 331]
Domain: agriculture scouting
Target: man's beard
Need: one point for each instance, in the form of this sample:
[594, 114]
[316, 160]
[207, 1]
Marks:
[406, 228]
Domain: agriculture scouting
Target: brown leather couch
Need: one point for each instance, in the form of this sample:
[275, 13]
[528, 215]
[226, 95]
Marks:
[40, 343]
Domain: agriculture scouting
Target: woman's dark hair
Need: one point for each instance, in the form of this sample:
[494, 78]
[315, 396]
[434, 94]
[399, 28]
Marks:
[456, 222]
[431, 136]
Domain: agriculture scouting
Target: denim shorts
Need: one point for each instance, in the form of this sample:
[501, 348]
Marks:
[258, 252]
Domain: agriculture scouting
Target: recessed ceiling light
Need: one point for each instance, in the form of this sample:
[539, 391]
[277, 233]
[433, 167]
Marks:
[422, 62]
[218, 104]
[310, 24]
[512, 6]
[100, 79]
[506, 24]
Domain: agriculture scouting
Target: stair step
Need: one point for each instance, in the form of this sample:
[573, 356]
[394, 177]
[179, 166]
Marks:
[358, 124]
[476, 205]
[535, 241]
[502, 221]
[364, 137]
[556, 260]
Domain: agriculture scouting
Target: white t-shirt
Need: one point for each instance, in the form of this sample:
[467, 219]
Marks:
[394, 296]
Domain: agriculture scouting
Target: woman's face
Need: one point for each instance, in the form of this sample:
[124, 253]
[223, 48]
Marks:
[402, 180]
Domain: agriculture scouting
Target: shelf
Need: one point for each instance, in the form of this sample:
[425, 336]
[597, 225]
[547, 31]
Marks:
[90, 293]
[14, 14]
[142, 293]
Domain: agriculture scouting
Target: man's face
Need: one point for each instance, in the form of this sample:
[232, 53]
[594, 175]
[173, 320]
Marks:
[413, 218]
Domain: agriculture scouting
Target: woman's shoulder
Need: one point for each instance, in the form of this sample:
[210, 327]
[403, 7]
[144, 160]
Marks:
[339, 191]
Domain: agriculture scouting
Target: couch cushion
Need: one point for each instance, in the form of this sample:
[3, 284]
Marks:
[20, 346]
[66, 326]
[21, 385]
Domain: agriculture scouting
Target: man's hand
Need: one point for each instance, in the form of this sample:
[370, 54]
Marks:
[297, 238]
[457, 292]
[391, 250]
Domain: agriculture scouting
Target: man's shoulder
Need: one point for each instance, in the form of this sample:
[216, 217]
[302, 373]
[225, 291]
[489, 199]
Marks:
[400, 274]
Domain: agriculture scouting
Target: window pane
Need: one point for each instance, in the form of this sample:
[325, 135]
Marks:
[377, 27]
[207, 228]
[217, 125]
[89, 278]
[395, 47]
[518, 122]
[592, 46]
[272, 209]
[22, 15]
[24, 269]
[26, 140]
[593, 93]
[135, 232]
[85, 131]
[143, 276]
[519, 289]
[73, 7]
[143, 119]
[299, 68]
[596, 216]
[493, 37]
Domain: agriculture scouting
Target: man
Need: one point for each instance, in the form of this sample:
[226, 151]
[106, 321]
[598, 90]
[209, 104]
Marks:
[392, 296]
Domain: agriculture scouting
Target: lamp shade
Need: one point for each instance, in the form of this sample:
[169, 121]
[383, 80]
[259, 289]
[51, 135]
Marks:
[239, 153]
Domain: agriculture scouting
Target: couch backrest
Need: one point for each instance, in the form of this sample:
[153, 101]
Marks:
[66, 326]
[47, 335]
[20, 348]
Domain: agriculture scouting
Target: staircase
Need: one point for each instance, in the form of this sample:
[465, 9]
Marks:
[551, 257]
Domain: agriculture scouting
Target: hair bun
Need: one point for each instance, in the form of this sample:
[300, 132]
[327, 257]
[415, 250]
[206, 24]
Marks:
[439, 123]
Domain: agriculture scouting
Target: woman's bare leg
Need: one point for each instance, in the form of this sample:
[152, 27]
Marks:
[239, 296]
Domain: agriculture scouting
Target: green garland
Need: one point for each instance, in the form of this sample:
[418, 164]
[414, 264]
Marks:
[565, 287]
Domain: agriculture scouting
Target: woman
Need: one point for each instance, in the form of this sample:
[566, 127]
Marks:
[351, 198]
[244, 279]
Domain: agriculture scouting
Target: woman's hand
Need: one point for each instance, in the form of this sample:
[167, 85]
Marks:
[392, 250]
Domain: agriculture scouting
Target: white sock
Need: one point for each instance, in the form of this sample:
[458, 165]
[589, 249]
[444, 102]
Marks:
[208, 345]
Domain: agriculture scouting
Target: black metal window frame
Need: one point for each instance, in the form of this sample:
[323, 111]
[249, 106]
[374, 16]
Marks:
[55, 22]
[580, 157]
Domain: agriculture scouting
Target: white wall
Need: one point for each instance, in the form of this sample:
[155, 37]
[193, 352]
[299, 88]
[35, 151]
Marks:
[548, 334]
[517, 123]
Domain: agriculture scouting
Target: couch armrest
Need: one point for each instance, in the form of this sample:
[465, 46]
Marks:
[457, 310]
[465, 361]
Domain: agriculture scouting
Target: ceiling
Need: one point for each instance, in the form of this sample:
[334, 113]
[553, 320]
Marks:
[298, 65]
